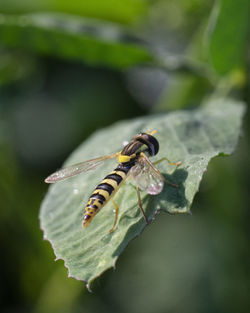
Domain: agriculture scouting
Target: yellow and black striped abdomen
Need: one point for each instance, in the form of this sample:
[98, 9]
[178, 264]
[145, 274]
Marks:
[104, 192]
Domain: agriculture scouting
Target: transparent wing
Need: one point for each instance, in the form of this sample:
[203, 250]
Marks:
[78, 168]
[146, 176]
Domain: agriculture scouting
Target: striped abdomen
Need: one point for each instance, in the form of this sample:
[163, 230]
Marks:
[104, 191]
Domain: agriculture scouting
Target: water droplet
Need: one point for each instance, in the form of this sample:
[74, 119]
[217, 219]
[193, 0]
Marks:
[75, 191]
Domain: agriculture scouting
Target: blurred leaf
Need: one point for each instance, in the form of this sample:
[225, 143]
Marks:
[113, 10]
[15, 66]
[74, 38]
[183, 90]
[193, 137]
[227, 38]
[59, 294]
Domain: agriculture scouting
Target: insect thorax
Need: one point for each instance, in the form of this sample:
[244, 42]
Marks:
[142, 143]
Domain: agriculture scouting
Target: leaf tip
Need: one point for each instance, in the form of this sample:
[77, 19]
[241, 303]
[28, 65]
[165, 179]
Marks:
[50, 179]
[88, 287]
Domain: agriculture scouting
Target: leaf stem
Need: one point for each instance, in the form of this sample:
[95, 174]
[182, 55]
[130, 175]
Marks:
[186, 64]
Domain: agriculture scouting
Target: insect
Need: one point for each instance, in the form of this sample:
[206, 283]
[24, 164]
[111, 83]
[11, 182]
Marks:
[133, 161]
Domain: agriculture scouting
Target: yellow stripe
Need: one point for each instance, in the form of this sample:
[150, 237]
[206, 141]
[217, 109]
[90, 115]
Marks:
[111, 182]
[102, 192]
[95, 202]
[122, 174]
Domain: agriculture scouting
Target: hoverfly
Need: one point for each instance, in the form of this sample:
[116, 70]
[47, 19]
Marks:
[133, 161]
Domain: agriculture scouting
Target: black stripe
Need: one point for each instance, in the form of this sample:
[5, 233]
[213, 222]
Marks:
[86, 217]
[93, 206]
[98, 196]
[106, 186]
[124, 169]
[115, 177]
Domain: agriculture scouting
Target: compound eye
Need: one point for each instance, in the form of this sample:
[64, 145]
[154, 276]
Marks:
[150, 141]
[154, 145]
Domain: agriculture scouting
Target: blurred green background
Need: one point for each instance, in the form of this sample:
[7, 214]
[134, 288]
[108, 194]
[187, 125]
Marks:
[68, 68]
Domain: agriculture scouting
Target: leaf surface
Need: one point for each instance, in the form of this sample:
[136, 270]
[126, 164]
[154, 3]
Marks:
[74, 38]
[193, 137]
[114, 10]
[227, 38]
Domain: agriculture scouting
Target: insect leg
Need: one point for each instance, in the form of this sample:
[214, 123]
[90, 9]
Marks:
[140, 205]
[171, 184]
[116, 216]
[171, 163]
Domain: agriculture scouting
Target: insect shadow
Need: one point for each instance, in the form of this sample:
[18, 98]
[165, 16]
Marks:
[171, 197]
[174, 197]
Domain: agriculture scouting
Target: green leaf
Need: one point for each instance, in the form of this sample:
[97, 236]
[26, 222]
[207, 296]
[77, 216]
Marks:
[15, 66]
[227, 38]
[182, 91]
[193, 137]
[114, 10]
[73, 38]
